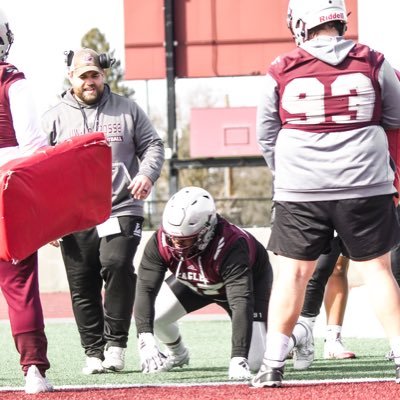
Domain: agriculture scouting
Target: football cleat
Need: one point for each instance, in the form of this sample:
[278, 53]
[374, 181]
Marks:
[239, 369]
[93, 366]
[114, 358]
[334, 350]
[268, 377]
[303, 352]
[178, 359]
[35, 382]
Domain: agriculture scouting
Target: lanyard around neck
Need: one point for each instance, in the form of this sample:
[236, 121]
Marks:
[88, 128]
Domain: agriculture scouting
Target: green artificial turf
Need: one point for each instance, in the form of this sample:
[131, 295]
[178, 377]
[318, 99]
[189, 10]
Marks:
[209, 345]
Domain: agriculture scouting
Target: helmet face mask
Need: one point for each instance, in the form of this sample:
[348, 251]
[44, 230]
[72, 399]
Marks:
[6, 36]
[189, 220]
[183, 247]
[304, 15]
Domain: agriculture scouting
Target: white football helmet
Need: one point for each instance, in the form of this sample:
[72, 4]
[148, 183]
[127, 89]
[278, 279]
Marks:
[189, 214]
[6, 36]
[304, 15]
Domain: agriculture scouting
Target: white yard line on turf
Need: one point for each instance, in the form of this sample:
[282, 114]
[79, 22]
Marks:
[157, 385]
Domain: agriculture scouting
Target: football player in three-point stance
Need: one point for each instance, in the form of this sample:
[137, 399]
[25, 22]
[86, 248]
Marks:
[209, 260]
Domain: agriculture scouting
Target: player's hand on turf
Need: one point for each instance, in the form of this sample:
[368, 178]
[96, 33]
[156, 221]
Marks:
[239, 369]
[151, 358]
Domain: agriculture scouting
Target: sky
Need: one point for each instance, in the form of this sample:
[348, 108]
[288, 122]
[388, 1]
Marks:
[44, 29]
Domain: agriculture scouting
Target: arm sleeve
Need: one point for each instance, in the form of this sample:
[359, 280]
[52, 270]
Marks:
[390, 86]
[151, 274]
[150, 148]
[268, 122]
[237, 276]
[26, 123]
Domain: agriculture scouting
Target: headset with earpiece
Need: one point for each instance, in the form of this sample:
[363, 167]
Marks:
[105, 60]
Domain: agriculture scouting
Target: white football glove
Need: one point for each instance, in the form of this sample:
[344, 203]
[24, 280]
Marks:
[239, 369]
[151, 358]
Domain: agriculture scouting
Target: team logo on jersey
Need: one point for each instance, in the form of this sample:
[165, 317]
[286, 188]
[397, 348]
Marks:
[190, 276]
[138, 230]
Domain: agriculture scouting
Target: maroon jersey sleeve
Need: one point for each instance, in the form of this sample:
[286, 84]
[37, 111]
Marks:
[8, 75]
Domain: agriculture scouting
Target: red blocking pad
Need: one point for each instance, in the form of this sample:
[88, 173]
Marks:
[56, 191]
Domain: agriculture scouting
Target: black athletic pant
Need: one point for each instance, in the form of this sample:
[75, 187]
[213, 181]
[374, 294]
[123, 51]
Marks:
[91, 261]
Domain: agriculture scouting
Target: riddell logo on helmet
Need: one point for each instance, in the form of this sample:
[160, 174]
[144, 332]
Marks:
[332, 17]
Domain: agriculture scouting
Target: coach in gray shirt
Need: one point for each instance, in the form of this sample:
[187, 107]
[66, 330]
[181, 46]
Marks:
[105, 254]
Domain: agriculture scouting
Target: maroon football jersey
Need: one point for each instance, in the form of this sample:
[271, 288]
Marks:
[8, 75]
[202, 273]
[318, 97]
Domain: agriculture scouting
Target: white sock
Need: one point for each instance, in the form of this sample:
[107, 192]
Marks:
[333, 332]
[276, 349]
[299, 331]
[177, 347]
[310, 321]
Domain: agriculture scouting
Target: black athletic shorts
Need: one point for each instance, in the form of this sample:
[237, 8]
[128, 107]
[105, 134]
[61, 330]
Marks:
[368, 227]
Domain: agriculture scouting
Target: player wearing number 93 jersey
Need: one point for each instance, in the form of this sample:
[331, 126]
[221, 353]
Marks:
[321, 127]
[325, 103]
[321, 122]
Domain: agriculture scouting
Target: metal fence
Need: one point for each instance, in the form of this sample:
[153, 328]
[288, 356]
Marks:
[244, 212]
